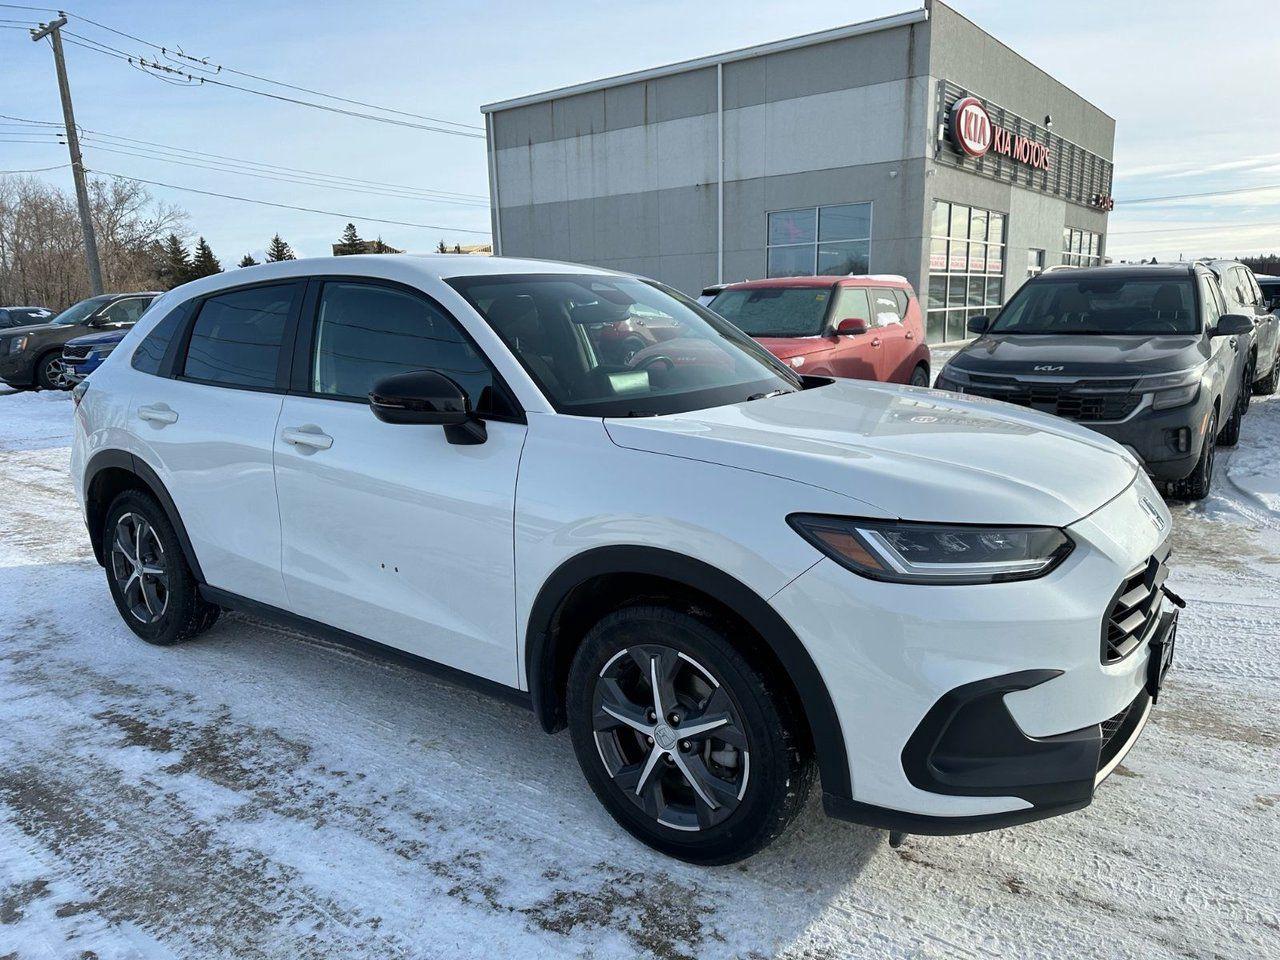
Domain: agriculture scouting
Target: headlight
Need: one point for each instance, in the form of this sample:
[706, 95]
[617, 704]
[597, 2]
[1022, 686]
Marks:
[17, 344]
[102, 351]
[1172, 389]
[952, 379]
[905, 552]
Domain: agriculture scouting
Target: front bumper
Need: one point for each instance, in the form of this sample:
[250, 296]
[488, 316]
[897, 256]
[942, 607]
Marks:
[1167, 442]
[18, 369]
[969, 708]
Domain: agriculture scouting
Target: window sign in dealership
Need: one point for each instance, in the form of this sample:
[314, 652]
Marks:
[966, 268]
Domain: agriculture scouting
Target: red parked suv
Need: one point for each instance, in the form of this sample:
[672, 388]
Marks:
[866, 327]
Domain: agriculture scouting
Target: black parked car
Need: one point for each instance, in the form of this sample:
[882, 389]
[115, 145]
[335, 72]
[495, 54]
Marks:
[1244, 295]
[22, 316]
[31, 355]
[1148, 355]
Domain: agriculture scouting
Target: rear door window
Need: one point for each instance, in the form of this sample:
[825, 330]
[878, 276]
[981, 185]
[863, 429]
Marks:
[885, 307]
[125, 313]
[237, 336]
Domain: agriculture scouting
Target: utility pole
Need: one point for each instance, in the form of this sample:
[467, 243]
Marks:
[53, 32]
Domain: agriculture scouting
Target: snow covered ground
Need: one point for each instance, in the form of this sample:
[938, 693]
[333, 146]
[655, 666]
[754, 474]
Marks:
[258, 794]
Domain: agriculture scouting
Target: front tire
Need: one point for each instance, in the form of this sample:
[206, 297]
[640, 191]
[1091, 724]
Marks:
[1230, 434]
[920, 376]
[150, 580]
[1197, 485]
[686, 744]
[51, 373]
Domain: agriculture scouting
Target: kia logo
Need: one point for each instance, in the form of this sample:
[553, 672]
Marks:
[970, 126]
[1048, 368]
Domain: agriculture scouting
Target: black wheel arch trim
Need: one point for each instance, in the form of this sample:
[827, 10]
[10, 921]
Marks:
[123, 460]
[541, 651]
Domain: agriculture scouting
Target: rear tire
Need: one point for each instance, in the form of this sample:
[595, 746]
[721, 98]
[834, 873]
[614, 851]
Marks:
[656, 784]
[150, 580]
[1197, 485]
[920, 376]
[1267, 385]
[1230, 434]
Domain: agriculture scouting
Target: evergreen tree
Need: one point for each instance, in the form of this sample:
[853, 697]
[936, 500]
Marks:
[457, 248]
[441, 248]
[204, 263]
[350, 242]
[247, 261]
[173, 263]
[278, 250]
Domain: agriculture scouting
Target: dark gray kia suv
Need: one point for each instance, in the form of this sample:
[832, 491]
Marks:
[1147, 354]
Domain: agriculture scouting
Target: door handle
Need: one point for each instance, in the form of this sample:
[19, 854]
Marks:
[312, 439]
[875, 342]
[910, 335]
[157, 413]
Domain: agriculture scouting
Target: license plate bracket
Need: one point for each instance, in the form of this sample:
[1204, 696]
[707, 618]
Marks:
[1161, 658]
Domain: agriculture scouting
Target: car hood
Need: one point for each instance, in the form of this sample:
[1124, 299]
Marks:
[30, 328]
[98, 339]
[904, 452]
[1079, 356]
[786, 347]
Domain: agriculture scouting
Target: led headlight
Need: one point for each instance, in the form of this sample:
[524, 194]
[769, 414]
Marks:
[1172, 389]
[17, 344]
[952, 379]
[905, 552]
[103, 351]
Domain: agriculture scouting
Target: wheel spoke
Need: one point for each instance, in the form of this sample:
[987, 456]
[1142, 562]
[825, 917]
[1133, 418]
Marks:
[124, 542]
[711, 790]
[714, 717]
[150, 597]
[662, 672]
[617, 708]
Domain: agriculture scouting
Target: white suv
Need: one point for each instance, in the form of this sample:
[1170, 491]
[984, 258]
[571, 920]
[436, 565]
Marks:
[718, 574]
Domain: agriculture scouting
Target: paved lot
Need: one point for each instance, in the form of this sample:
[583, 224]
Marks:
[260, 794]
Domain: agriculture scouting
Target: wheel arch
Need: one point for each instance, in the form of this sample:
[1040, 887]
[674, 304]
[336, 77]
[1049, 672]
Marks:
[111, 472]
[584, 587]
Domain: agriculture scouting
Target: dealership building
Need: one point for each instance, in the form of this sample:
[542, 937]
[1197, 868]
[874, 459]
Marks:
[916, 144]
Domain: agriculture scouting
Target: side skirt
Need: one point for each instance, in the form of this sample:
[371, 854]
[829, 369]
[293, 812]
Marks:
[460, 678]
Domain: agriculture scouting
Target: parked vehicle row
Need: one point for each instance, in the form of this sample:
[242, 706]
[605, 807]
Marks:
[724, 575]
[32, 355]
[23, 316]
[1162, 358]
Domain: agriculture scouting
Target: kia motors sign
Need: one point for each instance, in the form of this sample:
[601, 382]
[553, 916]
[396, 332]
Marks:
[974, 134]
[971, 126]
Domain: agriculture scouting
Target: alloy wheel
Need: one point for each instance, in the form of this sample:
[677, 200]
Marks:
[670, 737]
[138, 566]
[56, 374]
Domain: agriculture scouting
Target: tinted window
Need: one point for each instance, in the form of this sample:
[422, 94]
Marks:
[151, 351]
[775, 311]
[366, 332]
[236, 338]
[616, 346]
[6, 319]
[125, 312]
[81, 311]
[1135, 306]
[1210, 301]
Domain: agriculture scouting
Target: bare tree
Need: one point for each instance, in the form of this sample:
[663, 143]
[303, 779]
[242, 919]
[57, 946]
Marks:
[41, 258]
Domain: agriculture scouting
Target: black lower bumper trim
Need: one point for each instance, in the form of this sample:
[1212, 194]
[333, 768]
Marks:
[842, 808]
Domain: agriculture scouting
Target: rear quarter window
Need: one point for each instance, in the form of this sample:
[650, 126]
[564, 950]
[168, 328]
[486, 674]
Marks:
[150, 354]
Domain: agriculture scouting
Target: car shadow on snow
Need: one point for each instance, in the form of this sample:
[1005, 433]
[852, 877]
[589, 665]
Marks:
[270, 770]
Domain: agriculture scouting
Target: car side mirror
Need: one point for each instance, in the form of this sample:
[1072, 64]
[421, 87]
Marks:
[979, 325]
[427, 397]
[851, 327]
[1232, 325]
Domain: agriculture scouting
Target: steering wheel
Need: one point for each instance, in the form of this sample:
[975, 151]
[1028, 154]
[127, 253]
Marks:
[648, 362]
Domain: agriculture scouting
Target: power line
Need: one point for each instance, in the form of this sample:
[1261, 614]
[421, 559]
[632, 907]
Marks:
[155, 68]
[185, 152]
[1201, 229]
[1194, 196]
[60, 166]
[288, 206]
[204, 62]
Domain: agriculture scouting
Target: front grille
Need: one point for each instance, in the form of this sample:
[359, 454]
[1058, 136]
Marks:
[1133, 611]
[1119, 730]
[1085, 401]
[73, 352]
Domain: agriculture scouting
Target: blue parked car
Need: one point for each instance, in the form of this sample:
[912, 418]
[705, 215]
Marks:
[83, 355]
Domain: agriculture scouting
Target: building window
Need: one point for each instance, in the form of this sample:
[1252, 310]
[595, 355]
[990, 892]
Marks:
[966, 268]
[1035, 262]
[1080, 248]
[827, 241]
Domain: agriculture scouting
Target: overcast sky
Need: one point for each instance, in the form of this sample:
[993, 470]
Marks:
[1192, 89]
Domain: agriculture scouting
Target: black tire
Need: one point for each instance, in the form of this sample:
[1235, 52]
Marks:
[1230, 434]
[50, 373]
[1267, 385]
[767, 777]
[920, 376]
[1246, 388]
[1197, 485]
[172, 610]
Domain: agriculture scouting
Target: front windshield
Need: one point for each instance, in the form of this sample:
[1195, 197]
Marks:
[1129, 306]
[80, 311]
[775, 311]
[604, 346]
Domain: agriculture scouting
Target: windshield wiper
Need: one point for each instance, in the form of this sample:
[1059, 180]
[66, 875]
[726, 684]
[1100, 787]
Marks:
[771, 393]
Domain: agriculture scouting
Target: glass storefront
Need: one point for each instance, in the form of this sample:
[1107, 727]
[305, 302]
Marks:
[1081, 248]
[825, 241]
[966, 268]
